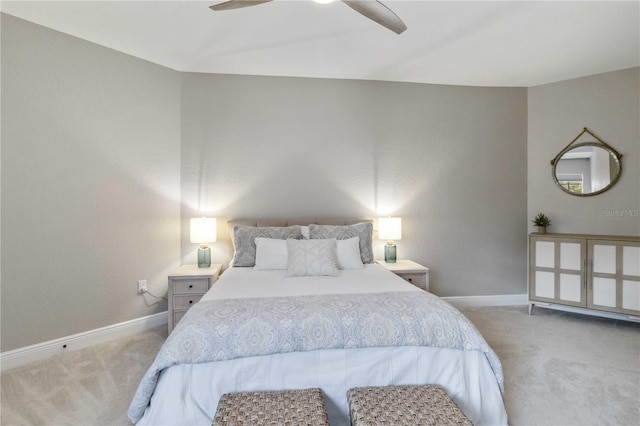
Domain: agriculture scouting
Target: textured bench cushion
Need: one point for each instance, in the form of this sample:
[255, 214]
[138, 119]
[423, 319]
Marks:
[403, 405]
[292, 407]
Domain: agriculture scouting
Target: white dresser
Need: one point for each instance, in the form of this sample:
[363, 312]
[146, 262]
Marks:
[592, 274]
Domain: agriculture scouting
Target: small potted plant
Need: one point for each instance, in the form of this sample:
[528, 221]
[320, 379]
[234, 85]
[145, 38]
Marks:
[542, 221]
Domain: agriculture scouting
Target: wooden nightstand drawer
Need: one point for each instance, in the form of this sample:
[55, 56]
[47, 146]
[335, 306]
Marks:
[177, 316]
[198, 286]
[185, 302]
[410, 271]
[417, 279]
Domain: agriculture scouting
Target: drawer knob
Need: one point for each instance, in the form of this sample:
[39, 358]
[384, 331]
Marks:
[190, 301]
[410, 280]
[190, 285]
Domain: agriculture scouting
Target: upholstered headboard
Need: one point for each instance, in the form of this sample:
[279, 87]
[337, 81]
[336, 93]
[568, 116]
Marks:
[289, 222]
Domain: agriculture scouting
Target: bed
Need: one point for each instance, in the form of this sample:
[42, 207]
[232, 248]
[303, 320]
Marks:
[301, 308]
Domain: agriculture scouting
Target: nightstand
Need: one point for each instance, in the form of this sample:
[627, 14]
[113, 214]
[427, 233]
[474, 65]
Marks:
[409, 270]
[187, 285]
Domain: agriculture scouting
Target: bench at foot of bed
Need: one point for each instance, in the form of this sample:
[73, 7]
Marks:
[292, 407]
[403, 406]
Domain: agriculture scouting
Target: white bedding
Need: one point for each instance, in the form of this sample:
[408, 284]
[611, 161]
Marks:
[248, 282]
[188, 394]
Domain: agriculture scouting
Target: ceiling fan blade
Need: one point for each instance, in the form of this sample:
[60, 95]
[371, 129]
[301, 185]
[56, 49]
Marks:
[235, 4]
[379, 13]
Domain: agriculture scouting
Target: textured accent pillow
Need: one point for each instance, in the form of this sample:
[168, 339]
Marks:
[271, 254]
[244, 240]
[312, 257]
[348, 253]
[304, 230]
[362, 230]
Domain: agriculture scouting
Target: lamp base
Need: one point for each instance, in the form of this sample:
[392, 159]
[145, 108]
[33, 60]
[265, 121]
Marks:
[390, 253]
[204, 257]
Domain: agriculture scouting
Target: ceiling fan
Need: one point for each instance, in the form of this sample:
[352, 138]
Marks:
[371, 9]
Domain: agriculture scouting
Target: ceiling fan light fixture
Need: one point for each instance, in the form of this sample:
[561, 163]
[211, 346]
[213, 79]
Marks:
[371, 9]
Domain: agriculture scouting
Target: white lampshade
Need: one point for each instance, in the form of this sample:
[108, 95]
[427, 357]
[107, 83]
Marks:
[389, 228]
[203, 230]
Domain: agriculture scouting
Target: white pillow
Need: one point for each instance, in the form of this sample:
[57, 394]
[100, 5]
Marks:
[348, 253]
[271, 254]
[312, 257]
[362, 230]
[244, 244]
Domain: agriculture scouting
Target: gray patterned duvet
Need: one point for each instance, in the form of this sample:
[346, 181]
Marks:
[227, 329]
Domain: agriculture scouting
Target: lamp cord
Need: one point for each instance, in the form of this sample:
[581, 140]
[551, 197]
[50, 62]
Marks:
[153, 295]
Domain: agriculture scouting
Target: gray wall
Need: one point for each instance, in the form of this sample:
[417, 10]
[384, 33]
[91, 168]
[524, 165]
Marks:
[451, 161]
[90, 184]
[609, 105]
[94, 170]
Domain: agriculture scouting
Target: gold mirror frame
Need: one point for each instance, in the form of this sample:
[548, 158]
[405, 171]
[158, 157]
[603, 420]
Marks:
[617, 157]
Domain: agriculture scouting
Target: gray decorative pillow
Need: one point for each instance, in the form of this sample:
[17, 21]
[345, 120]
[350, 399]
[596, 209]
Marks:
[312, 257]
[244, 240]
[362, 230]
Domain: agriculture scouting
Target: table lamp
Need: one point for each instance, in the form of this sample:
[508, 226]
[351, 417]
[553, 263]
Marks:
[390, 229]
[203, 232]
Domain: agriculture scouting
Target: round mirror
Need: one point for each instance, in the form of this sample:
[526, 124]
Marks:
[587, 168]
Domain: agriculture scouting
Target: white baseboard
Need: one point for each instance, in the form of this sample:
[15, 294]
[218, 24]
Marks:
[40, 351]
[479, 301]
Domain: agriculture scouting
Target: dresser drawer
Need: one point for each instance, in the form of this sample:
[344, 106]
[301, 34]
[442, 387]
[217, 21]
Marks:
[417, 279]
[185, 302]
[193, 286]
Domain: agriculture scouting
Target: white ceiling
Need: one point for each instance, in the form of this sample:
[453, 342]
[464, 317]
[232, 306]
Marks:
[503, 43]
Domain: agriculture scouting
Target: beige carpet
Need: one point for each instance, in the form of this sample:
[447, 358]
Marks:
[560, 369]
[564, 369]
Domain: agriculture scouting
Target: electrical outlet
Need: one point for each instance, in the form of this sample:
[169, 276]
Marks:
[142, 286]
